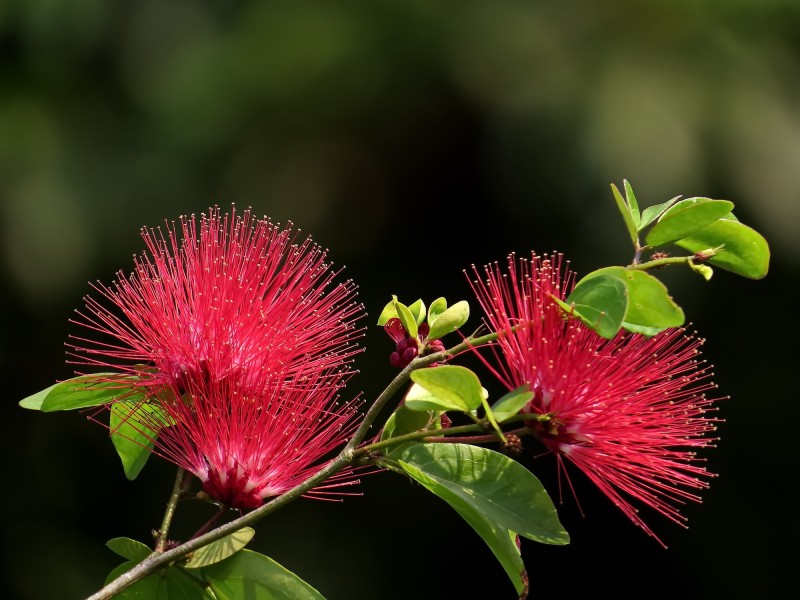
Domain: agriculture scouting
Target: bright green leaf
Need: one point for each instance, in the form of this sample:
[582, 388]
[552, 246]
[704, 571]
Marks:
[686, 217]
[630, 200]
[408, 320]
[388, 312]
[418, 310]
[648, 331]
[511, 403]
[452, 385]
[704, 271]
[649, 303]
[745, 252]
[449, 320]
[600, 302]
[436, 308]
[254, 576]
[133, 435]
[625, 210]
[34, 401]
[479, 480]
[651, 213]
[220, 549]
[83, 392]
[404, 420]
[128, 548]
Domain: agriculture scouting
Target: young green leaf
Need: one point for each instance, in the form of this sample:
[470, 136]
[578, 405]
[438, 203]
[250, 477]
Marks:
[601, 302]
[649, 303]
[451, 385]
[418, 310]
[511, 403]
[449, 320]
[744, 251]
[479, 480]
[81, 392]
[152, 587]
[436, 308]
[627, 215]
[254, 576]
[651, 213]
[633, 205]
[128, 548]
[684, 218]
[408, 320]
[389, 312]
[132, 434]
[220, 549]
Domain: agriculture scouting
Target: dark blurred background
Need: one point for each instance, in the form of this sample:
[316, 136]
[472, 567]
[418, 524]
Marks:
[412, 138]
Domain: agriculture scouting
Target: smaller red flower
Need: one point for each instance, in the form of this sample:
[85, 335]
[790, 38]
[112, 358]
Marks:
[629, 412]
[408, 348]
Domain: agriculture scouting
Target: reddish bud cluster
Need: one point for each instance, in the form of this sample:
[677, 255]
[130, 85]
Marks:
[408, 348]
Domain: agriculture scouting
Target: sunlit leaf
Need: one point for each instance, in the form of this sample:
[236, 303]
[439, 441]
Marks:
[601, 302]
[220, 549]
[81, 392]
[449, 320]
[479, 480]
[436, 308]
[418, 311]
[152, 587]
[388, 312]
[651, 213]
[408, 320]
[684, 218]
[744, 252]
[511, 403]
[252, 576]
[128, 548]
[649, 303]
[451, 385]
[630, 200]
[132, 434]
[627, 216]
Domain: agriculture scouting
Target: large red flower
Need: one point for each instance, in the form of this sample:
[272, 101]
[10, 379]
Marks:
[628, 412]
[240, 334]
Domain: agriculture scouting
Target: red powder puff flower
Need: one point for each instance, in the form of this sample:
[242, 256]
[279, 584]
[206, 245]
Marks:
[628, 412]
[243, 338]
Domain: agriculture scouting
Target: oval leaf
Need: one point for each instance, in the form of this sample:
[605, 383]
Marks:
[128, 548]
[651, 213]
[408, 320]
[450, 320]
[418, 311]
[600, 301]
[649, 303]
[152, 587]
[686, 217]
[220, 549]
[388, 312]
[744, 252]
[254, 576]
[132, 433]
[436, 308]
[480, 480]
[454, 386]
[630, 200]
[511, 403]
[84, 392]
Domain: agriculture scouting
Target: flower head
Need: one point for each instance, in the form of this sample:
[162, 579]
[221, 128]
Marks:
[243, 339]
[628, 412]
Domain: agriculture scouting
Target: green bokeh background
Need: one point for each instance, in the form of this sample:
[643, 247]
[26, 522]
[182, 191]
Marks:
[411, 138]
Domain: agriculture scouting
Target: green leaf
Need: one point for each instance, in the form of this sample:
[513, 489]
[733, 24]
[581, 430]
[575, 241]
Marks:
[630, 200]
[128, 548]
[476, 479]
[403, 421]
[408, 320]
[388, 312]
[651, 213]
[220, 549]
[449, 320]
[686, 217]
[436, 308]
[82, 392]
[745, 252]
[704, 271]
[252, 576]
[182, 586]
[511, 403]
[627, 215]
[502, 543]
[641, 329]
[132, 433]
[600, 302]
[649, 304]
[152, 587]
[418, 310]
[455, 386]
